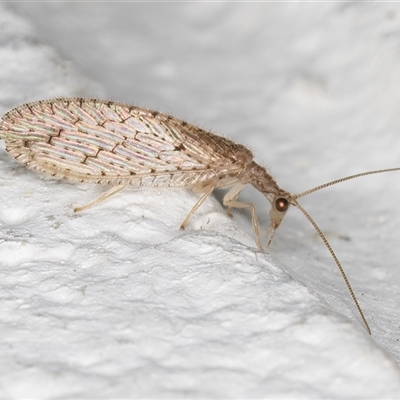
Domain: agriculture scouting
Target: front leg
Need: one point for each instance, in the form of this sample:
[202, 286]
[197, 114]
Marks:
[230, 202]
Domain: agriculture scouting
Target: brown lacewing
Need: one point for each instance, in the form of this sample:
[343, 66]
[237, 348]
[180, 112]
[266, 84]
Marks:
[119, 145]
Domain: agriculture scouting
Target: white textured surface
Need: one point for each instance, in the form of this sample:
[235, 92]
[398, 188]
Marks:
[116, 301]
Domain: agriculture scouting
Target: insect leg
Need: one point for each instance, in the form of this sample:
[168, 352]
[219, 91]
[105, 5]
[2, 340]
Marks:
[104, 196]
[229, 201]
[208, 191]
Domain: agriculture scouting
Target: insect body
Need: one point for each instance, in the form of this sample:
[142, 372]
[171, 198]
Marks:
[118, 145]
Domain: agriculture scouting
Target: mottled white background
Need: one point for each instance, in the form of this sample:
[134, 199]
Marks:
[116, 301]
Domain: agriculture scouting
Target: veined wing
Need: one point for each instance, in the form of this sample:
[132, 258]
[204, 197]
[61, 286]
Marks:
[112, 143]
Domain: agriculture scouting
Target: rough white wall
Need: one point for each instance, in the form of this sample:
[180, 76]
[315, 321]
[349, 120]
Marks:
[116, 301]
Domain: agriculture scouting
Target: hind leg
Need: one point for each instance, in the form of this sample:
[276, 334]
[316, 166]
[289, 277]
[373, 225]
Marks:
[104, 196]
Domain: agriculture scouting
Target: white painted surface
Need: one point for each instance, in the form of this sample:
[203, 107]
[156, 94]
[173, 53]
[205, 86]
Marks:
[116, 301]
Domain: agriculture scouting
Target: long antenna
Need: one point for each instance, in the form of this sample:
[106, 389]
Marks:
[347, 178]
[328, 246]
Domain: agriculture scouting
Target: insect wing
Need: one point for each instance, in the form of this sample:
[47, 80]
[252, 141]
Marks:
[112, 143]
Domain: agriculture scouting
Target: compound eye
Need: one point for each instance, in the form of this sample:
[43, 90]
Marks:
[281, 204]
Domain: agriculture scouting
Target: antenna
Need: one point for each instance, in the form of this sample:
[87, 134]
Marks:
[333, 254]
[347, 178]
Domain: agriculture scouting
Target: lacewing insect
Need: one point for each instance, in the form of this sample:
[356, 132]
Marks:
[119, 145]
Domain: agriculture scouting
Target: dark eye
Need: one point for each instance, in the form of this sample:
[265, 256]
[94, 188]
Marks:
[281, 204]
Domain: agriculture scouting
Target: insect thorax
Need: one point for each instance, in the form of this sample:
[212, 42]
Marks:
[261, 180]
